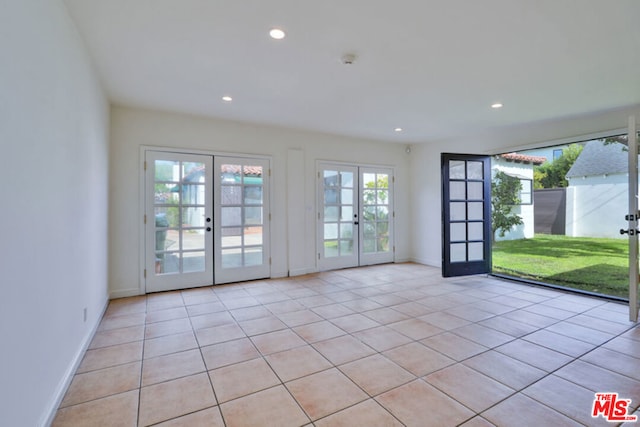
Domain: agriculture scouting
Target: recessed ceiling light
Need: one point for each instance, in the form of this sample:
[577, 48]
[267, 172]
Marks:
[277, 33]
[496, 105]
[227, 98]
[398, 130]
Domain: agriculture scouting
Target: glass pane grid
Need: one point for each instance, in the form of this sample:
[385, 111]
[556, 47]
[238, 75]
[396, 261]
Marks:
[242, 231]
[466, 211]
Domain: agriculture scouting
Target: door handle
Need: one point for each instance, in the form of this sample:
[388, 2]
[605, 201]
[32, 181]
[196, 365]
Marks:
[630, 232]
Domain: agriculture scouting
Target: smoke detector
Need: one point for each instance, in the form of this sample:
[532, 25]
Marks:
[348, 58]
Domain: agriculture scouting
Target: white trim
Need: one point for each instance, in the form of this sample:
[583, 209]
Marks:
[426, 261]
[279, 274]
[632, 146]
[52, 409]
[140, 221]
[203, 152]
[561, 141]
[300, 272]
[359, 165]
[124, 293]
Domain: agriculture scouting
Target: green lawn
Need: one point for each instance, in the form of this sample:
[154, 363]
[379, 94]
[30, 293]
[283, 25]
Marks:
[592, 264]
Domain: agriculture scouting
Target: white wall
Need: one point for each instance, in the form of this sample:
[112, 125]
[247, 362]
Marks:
[293, 241]
[54, 173]
[426, 196]
[526, 212]
[596, 206]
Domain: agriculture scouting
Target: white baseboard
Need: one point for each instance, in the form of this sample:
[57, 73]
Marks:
[427, 261]
[61, 390]
[298, 272]
[278, 274]
[124, 293]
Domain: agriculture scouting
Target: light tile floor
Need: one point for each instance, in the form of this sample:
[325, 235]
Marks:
[386, 345]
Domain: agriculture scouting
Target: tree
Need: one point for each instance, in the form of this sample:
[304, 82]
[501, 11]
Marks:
[504, 196]
[552, 175]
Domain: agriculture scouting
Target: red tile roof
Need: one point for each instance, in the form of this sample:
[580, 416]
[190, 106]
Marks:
[523, 158]
[248, 170]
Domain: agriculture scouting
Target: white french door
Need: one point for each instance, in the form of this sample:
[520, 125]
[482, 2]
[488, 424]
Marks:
[179, 245]
[242, 219]
[632, 217]
[355, 217]
[206, 220]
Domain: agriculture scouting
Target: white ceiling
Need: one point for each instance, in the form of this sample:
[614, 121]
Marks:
[432, 67]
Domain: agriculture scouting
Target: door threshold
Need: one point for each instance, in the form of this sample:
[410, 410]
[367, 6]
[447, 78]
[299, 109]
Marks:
[566, 289]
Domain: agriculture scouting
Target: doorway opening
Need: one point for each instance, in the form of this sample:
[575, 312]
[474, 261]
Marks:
[567, 215]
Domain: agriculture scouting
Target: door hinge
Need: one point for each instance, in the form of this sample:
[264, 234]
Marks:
[394, 214]
[318, 255]
[145, 165]
[269, 171]
[318, 174]
[394, 249]
[269, 217]
[145, 218]
[145, 273]
[393, 179]
[318, 215]
[269, 260]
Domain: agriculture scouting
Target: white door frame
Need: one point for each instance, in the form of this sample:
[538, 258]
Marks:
[142, 191]
[359, 257]
[632, 142]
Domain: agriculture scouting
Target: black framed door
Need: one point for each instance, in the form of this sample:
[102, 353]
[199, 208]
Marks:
[466, 214]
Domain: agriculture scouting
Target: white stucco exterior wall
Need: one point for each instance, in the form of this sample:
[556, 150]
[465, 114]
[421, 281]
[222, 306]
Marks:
[596, 206]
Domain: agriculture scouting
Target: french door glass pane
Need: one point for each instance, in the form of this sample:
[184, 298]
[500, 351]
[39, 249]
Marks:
[331, 248]
[253, 236]
[475, 170]
[476, 231]
[375, 218]
[338, 213]
[458, 231]
[457, 190]
[475, 211]
[346, 247]
[458, 252]
[179, 209]
[193, 261]
[192, 239]
[474, 190]
[241, 215]
[457, 169]
[331, 213]
[231, 195]
[231, 237]
[458, 211]
[476, 252]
